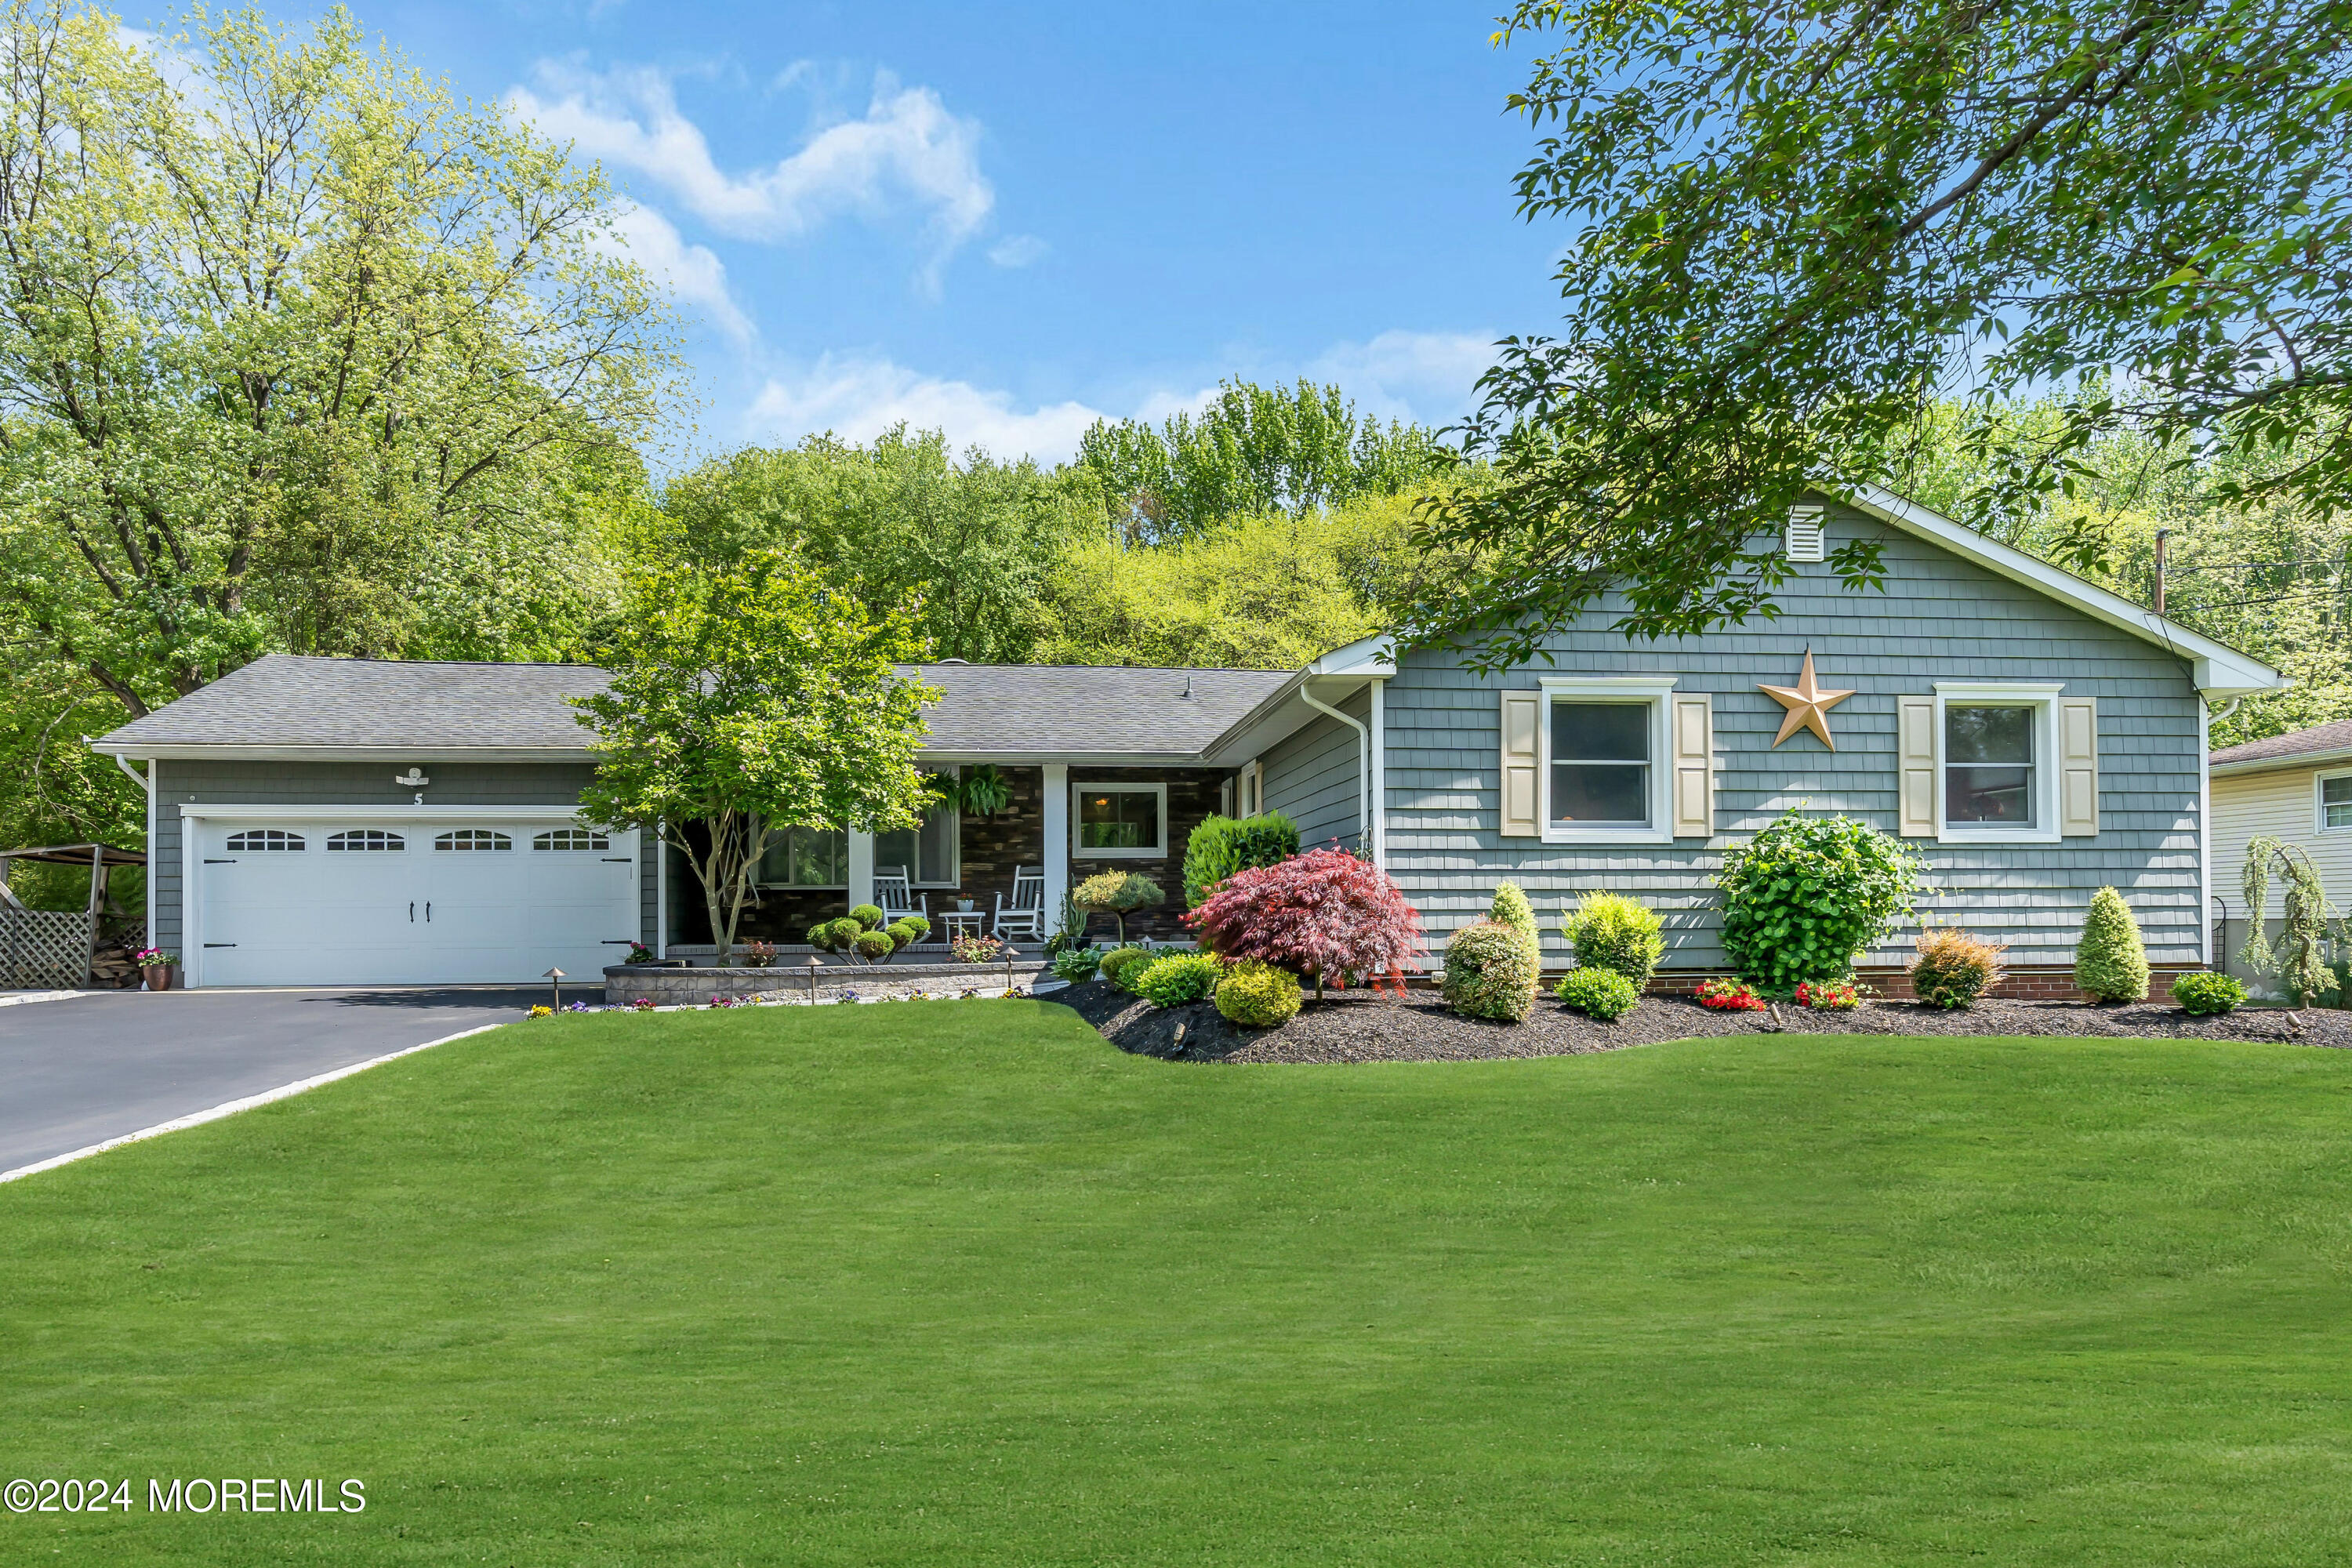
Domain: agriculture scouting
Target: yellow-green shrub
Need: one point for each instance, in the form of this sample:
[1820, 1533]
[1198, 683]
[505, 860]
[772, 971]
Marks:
[1258, 995]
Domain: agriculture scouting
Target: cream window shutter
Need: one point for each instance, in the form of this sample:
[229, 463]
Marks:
[1694, 735]
[1915, 743]
[1522, 767]
[2078, 768]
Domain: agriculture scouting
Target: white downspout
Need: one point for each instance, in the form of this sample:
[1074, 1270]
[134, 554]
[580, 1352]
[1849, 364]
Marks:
[1378, 744]
[2205, 717]
[1364, 773]
[661, 891]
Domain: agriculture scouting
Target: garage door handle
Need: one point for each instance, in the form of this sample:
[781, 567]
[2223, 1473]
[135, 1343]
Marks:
[220, 945]
[618, 860]
[412, 911]
[428, 911]
[210, 862]
[618, 942]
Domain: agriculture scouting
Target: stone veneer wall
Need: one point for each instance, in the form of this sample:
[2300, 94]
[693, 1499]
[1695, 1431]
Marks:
[625, 983]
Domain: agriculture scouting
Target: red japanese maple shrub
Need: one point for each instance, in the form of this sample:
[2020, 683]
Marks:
[1322, 915]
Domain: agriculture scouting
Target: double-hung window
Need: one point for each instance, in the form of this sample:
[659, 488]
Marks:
[1606, 771]
[927, 853]
[1999, 767]
[2334, 802]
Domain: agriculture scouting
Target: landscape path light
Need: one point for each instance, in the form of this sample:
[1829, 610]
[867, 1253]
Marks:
[554, 978]
[815, 964]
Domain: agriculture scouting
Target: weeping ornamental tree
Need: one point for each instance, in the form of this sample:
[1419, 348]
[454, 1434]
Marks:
[2300, 959]
[749, 701]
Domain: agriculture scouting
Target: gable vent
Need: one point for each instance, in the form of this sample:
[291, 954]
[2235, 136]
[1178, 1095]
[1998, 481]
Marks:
[1806, 539]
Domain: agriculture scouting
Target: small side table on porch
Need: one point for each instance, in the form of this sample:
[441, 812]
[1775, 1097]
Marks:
[962, 922]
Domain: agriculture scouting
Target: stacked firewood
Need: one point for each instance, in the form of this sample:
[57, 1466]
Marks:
[114, 968]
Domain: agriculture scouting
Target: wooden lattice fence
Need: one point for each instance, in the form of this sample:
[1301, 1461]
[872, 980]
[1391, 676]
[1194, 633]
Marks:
[44, 950]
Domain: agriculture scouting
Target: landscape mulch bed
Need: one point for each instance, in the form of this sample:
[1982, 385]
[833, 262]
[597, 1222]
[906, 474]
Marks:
[1357, 1026]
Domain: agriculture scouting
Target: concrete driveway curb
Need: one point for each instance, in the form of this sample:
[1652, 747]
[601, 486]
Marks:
[283, 1091]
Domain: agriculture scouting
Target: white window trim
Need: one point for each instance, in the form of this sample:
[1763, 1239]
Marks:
[2041, 696]
[1156, 851]
[1652, 690]
[2320, 800]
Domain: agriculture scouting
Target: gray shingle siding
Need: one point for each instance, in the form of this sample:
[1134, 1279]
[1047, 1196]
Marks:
[1314, 777]
[1942, 618]
[358, 785]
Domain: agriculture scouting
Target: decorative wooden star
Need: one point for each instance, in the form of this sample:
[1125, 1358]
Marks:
[1809, 706]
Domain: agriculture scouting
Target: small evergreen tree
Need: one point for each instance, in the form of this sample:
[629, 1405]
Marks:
[1490, 972]
[2111, 962]
[1511, 908]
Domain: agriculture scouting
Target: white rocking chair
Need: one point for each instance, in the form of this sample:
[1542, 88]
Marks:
[1025, 915]
[895, 896]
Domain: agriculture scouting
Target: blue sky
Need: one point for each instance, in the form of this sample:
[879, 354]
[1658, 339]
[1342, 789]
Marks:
[1004, 220]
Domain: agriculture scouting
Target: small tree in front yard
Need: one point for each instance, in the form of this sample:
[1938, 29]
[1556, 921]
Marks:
[2300, 959]
[753, 701]
[1319, 914]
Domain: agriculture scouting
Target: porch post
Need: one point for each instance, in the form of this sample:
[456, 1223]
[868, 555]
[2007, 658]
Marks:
[1055, 856]
[861, 867]
[1377, 764]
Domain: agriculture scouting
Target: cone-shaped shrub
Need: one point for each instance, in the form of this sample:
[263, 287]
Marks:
[1490, 973]
[2111, 962]
[1511, 908]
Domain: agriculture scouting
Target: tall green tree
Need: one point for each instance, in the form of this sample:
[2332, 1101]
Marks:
[295, 351]
[747, 699]
[1797, 222]
[968, 544]
[1253, 450]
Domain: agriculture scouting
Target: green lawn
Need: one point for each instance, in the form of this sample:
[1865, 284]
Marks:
[956, 1283]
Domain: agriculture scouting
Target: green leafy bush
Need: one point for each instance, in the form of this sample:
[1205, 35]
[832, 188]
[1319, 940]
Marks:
[1603, 993]
[1258, 995]
[1953, 968]
[875, 944]
[2111, 962]
[1510, 908]
[1808, 893]
[1114, 963]
[1611, 931]
[2202, 993]
[1076, 965]
[1178, 978]
[1221, 846]
[900, 933]
[921, 926]
[868, 915]
[1490, 973]
[826, 937]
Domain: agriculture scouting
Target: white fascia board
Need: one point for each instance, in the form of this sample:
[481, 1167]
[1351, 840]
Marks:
[244, 811]
[1087, 759]
[1371, 656]
[1283, 715]
[2219, 669]
[187, 753]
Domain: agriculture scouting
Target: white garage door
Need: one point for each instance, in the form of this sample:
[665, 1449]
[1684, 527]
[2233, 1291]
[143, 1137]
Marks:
[362, 900]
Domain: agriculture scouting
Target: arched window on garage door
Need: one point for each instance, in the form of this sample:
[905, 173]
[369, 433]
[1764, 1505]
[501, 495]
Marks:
[364, 838]
[571, 841]
[264, 838]
[479, 839]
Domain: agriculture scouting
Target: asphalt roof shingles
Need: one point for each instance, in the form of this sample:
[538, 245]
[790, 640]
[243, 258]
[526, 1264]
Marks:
[2318, 741]
[287, 700]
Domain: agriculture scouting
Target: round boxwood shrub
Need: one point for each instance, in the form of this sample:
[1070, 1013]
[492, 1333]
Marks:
[1076, 964]
[1490, 973]
[2202, 993]
[2111, 962]
[1177, 978]
[900, 933]
[1118, 961]
[1601, 993]
[1611, 931]
[868, 915]
[1953, 968]
[1221, 846]
[1258, 995]
[1808, 893]
[921, 926]
[872, 944]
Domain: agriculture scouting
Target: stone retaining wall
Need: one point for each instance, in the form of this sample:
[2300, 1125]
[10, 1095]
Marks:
[666, 987]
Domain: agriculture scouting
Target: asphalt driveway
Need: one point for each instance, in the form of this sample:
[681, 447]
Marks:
[79, 1072]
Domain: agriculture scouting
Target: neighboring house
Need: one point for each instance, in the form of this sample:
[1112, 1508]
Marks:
[2296, 788]
[2036, 736]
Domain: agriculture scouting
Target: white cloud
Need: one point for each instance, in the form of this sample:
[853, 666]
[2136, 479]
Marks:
[906, 152]
[1018, 251]
[858, 398]
[1424, 376]
[1427, 376]
[694, 274]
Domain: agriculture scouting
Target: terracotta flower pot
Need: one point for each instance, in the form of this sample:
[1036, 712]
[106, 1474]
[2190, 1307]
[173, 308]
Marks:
[158, 976]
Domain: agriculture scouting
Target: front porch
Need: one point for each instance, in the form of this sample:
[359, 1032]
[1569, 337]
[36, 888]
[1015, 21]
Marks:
[1072, 818]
